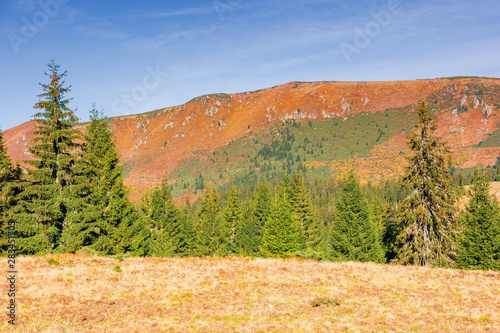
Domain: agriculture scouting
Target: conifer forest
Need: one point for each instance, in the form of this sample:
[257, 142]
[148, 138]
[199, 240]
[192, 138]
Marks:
[69, 196]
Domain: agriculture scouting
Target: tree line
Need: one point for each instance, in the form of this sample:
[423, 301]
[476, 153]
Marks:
[72, 199]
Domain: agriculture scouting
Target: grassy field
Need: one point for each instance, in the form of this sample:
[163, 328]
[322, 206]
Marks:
[80, 293]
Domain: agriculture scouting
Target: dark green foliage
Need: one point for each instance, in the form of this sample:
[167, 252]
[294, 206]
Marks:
[52, 261]
[9, 191]
[119, 215]
[135, 236]
[98, 223]
[479, 246]
[82, 221]
[199, 183]
[109, 193]
[188, 229]
[311, 254]
[261, 209]
[354, 236]
[212, 230]
[282, 233]
[159, 243]
[391, 231]
[166, 224]
[234, 221]
[5, 164]
[53, 188]
[175, 227]
[303, 211]
[378, 214]
[325, 301]
[427, 216]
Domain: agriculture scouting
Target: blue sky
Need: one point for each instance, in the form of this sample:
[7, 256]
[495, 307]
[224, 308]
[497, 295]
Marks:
[135, 56]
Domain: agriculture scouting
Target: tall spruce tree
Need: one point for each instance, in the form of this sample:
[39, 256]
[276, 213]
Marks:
[213, 232]
[5, 165]
[173, 223]
[354, 236]
[479, 246]
[109, 198]
[247, 238]
[234, 221]
[260, 211]
[135, 236]
[52, 188]
[282, 233]
[83, 221]
[6, 177]
[81, 224]
[160, 244]
[303, 211]
[166, 221]
[391, 231]
[188, 226]
[378, 214]
[427, 216]
[10, 177]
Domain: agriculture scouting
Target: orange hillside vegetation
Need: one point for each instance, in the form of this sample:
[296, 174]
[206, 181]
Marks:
[156, 142]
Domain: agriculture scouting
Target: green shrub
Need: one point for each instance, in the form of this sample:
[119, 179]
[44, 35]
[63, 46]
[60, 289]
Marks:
[311, 254]
[52, 261]
[325, 301]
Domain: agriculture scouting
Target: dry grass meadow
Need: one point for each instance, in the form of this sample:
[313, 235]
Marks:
[91, 294]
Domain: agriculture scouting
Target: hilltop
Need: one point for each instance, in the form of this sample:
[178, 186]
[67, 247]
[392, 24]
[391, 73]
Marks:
[321, 127]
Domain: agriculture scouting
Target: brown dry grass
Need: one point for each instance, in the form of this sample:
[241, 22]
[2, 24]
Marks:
[86, 294]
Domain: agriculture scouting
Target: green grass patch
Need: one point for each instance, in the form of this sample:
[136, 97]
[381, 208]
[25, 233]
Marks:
[53, 262]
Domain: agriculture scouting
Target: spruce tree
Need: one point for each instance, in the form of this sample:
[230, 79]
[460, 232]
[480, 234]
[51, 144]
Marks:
[303, 211]
[52, 188]
[391, 231]
[247, 238]
[160, 244]
[135, 236]
[378, 214]
[6, 176]
[109, 195]
[213, 232]
[282, 234]
[479, 246]
[234, 221]
[187, 219]
[81, 225]
[261, 209]
[427, 216]
[173, 224]
[9, 190]
[165, 220]
[354, 236]
[5, 164]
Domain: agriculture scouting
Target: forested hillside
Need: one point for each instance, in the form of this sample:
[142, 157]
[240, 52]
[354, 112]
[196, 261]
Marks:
[69, 196]
[321, 127]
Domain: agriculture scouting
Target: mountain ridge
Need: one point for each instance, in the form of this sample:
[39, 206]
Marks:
[159, 141]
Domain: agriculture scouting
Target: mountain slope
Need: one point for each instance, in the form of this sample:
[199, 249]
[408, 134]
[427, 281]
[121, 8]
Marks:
[362, 124]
